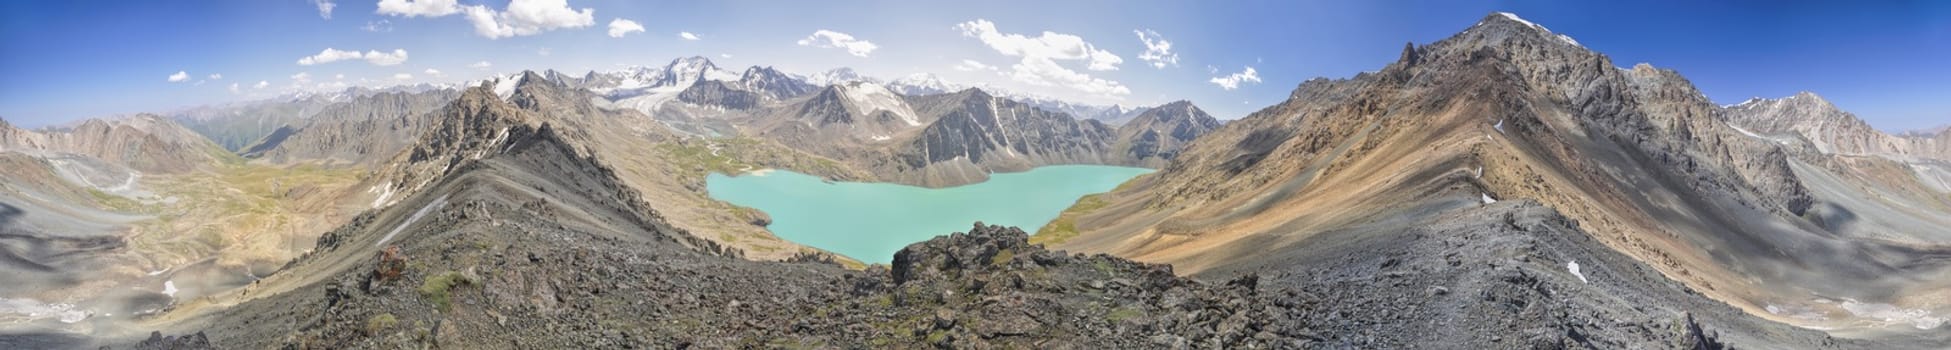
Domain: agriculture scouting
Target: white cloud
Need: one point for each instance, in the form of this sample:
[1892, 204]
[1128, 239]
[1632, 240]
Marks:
[688, 36]
[1040, 55]
[216, 76]
[544, 51]
[179, 77]
[340, 76]
[234, 89]
[432, 72]
[402, 76]
[418, 8]
[972, 65]
[1233, 81]
[725, 55]
[481, 65]
[261, 84]
[375, 57]
[619, 27]
[1158, 51]
[324, 8]
[379, 26]
[301, 77]
[1055, 46]
[832, 39]
[527, 17]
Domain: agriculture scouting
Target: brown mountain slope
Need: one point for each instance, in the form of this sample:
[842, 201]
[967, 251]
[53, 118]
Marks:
[1507, 110]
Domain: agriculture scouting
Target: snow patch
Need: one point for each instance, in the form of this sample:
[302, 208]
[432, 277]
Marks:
[1561, 37]
[1499, 126]
[169, 288]
[1746, 132]
[1893, 314]
[383, 196]
[1573, 266]
[874, 97]
[505, 87]
[761, 172]
[881, 137]
[30, 309]
[437, 203]
[1488, 200]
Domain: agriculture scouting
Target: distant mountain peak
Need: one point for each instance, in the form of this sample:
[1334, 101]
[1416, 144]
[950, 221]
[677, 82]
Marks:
[1511, 20]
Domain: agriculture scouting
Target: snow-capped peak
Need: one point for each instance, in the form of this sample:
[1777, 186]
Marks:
[1561, 37]
[869, 98]
[923, 84]
[836, 76]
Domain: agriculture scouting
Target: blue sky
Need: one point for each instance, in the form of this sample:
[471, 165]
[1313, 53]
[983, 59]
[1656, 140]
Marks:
[66, 60]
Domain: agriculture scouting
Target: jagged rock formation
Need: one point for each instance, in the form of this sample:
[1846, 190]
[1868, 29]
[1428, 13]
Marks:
[958, 138]
[1510, 110]
[1809, 118]
[1154, 138]
[360, 130]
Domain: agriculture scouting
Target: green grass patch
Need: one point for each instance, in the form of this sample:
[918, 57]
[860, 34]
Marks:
[1124, 313]
[381, 323]
[1002, 258]
[1064, 227]
[439, 289]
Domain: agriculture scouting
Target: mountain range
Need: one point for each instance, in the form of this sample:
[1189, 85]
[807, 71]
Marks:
[1505, 187]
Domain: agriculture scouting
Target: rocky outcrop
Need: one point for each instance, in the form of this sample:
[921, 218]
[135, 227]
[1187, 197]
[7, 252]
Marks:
[363, 130]
[1155, 137]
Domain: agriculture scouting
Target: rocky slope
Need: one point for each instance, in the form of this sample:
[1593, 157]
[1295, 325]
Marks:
[523, 237]
[146, 143]
[1509, 110]
[360, 130]
[1153, 138]
[1806, 117]
[950, 139]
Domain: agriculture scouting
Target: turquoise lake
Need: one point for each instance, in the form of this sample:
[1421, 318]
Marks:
[871, 221]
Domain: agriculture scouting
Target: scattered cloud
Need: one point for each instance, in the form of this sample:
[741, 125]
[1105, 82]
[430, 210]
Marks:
[527, 17]
[402, 76]
[375, 57]
[520, 18]
[340, 76]
[324, 8]
[544, 51]
[1233, 81]
[1049, 45]
[619, 27]
[216, 76]
[725, 55]
[1040, 55]
[432, 72]
[179, 77]
[301, 77]
[1158, 51]
[688, 36]
[832, 39]
[234, 89]
[379, 26]
[973, 66]
[418, 8]
[481, 65]
[261, 84]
